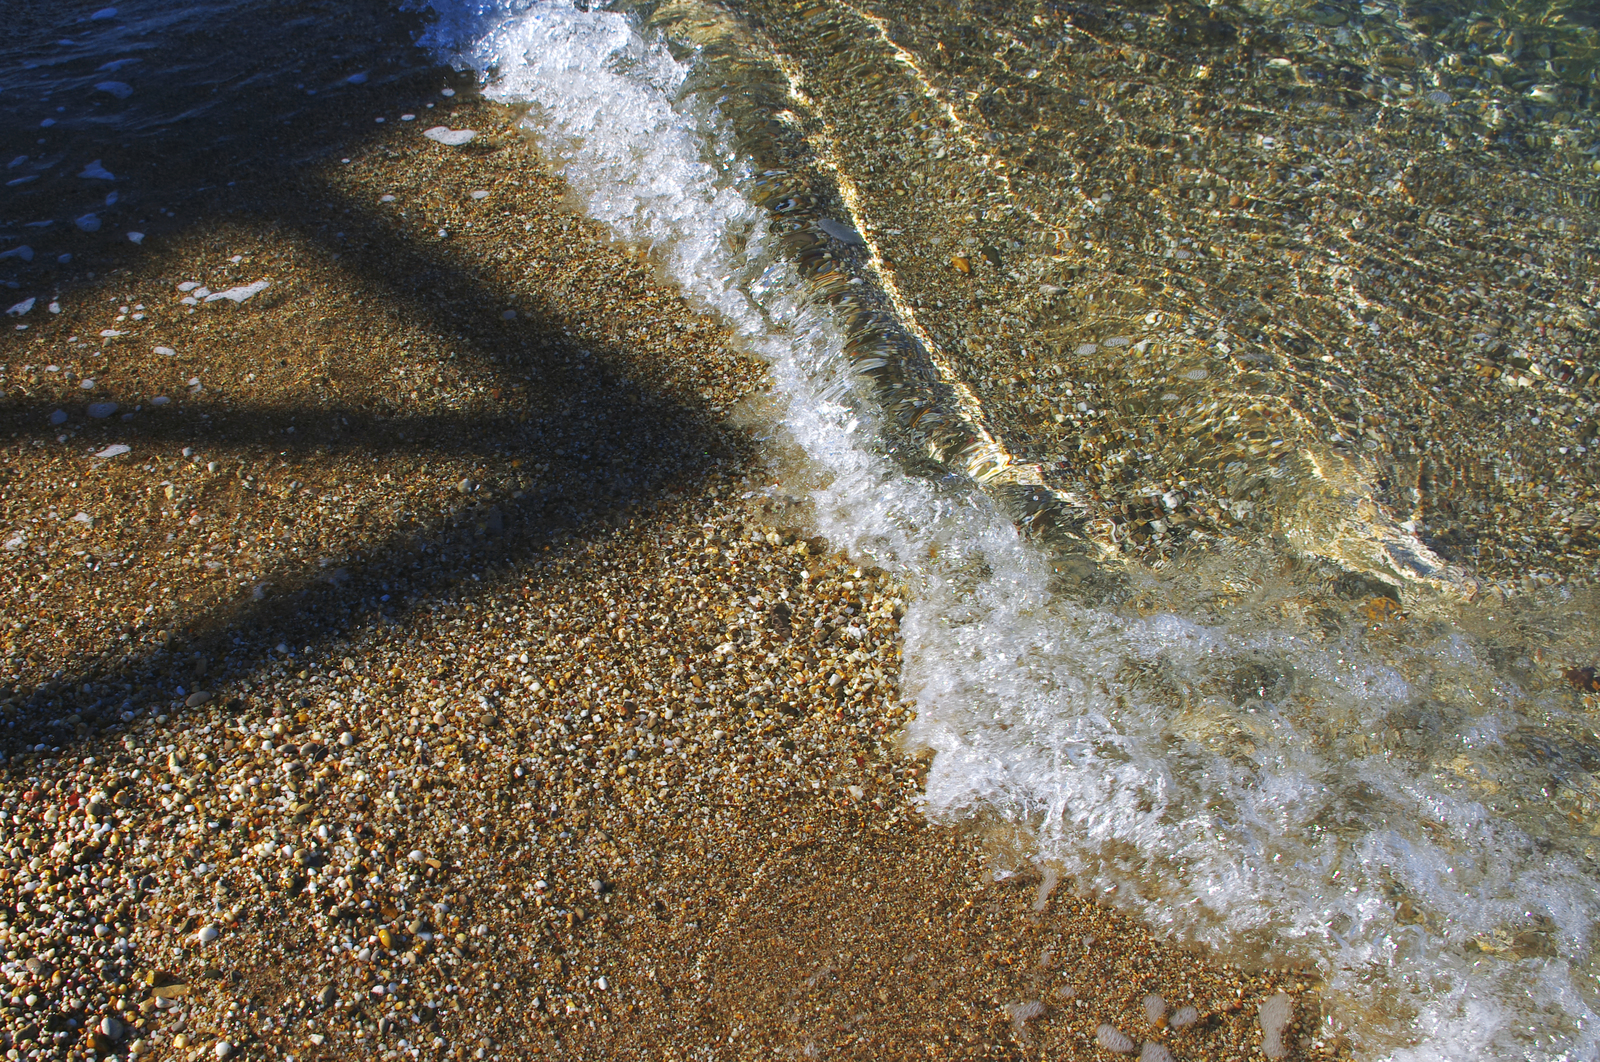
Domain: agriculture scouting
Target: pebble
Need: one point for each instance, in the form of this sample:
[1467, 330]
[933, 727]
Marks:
[166, 352]
[58, 417]
[441, 134]
[96, 172]
[207, 934]
[840, 231]
[1155, 1010]
[21, 308]
[1276, 1013]
[135, 237]
[1184, 1017]
[223, 1049]
[238, 294]
[120, 89]
[1154, 1052]
[1113, 1039]
[101, 410]
[88, 222]
[23, 252]
[195, 700]
[114, 450]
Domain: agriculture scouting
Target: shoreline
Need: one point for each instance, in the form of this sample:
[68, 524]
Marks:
[765, 888]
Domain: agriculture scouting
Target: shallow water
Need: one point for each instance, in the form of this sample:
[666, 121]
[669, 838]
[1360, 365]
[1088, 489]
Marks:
[1218, 379]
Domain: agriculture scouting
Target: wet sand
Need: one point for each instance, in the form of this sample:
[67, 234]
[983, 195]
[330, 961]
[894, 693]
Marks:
[443, 673]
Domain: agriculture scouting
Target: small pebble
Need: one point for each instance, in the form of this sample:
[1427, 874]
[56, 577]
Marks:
[1276, 1014]
[440, 134]
[101, 410]
[1113, 1039]
[207, 934]
[1184, 1017]
[1155, 1010]
[1154, 1052]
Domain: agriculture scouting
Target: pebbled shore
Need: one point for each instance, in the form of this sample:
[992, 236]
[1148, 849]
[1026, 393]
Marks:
[441, 673]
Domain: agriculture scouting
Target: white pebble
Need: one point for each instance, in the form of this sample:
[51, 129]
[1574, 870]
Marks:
[347, 739]
[114, 450]
[224, 1049]
[21, 308]
[1275, 1015]
[481, 193]
[1154, 1052]
[135, 237]
[160, 400]
[441, 134]
[207, 934]
[1155, 1010]
[1113, 1039]
[1184, 1017]
[166, 352]
[239, 294]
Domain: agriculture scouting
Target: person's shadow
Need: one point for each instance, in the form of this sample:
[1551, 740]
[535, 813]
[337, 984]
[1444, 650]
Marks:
[234, 114]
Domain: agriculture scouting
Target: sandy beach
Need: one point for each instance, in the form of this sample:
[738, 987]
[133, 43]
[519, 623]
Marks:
[411, 653]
